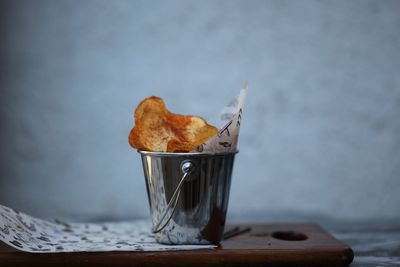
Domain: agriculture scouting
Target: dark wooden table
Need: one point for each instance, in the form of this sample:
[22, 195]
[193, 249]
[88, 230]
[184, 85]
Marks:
[374, 244]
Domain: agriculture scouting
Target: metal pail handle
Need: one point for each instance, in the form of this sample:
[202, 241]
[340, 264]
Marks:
[187, 167]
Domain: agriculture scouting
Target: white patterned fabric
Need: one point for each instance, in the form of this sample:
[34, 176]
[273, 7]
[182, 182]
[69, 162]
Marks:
[30, 234]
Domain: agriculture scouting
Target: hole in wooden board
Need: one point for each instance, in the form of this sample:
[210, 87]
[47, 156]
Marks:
[289, 236]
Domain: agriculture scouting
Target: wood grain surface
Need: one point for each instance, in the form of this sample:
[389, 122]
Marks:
[264, 245]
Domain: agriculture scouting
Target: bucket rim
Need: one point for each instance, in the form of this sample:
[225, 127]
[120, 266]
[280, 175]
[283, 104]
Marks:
[180, 154]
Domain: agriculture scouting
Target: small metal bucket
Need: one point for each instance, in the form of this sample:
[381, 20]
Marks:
[188, 195]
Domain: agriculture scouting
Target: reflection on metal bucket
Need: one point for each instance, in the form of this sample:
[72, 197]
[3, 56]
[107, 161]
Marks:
[188, 195]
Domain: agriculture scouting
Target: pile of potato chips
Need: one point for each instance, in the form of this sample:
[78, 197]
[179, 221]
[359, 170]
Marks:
[157, 129]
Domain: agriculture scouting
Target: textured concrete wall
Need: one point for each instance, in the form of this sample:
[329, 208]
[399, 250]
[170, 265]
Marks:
[320, 135]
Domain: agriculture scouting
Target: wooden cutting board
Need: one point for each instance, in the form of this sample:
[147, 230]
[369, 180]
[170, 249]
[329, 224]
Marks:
[263, 245]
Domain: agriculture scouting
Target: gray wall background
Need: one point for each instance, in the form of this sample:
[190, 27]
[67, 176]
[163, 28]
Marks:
[320, 134]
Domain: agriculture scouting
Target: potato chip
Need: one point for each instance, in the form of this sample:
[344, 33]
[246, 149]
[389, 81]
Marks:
[157, 129]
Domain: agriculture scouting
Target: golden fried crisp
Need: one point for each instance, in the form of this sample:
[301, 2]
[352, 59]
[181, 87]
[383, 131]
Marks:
[157, 129]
